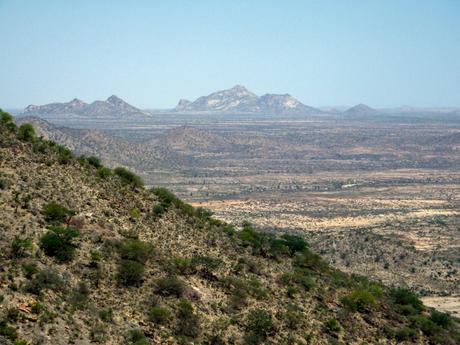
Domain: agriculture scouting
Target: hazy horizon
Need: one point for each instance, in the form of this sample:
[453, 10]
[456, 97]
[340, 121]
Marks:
[328, 53]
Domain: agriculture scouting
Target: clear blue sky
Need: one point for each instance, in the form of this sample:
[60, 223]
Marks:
[151, 53]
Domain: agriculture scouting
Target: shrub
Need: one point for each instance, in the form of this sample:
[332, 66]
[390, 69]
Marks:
[5, 117]
[45, 279]
[259, 324]
[135, 250]
[405, 333]
[136, 337]
[425, 324]
[94, 161]
[294, 243]
[310, 260]
[55, 213]
[170, 286]
[332, 326]
[20, 246]
[29, 269]
[7, 331]
[166, 197]
[64, 154]
[58, 242]
[130, 272]
[359, 300]
[440, 318]
[159, 315]
[104, 172]
[403, 296]
[180, 265]
[158, 209]
[188, 323]
[26, 132]
[128, 177]
[106, 314]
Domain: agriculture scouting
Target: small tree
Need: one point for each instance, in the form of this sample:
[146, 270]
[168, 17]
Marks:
[55, 213]
[26, 132]
[58, 242]
[128, 177]
[5, 117]
[94, 161]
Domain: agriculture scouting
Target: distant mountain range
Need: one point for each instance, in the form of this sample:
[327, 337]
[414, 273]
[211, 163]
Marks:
[238, 99]
[112, 107]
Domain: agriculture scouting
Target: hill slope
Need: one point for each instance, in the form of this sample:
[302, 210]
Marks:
[89, 256]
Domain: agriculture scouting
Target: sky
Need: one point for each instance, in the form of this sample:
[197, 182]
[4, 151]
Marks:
[152, 53]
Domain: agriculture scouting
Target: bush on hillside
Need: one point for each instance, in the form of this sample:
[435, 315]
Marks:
[26, 132]
[170, 286]
[128, 177]
[259, 324]
[94, 161]
[58, 243]
[188, 323]
[135, 250]
[130, 272]
[20, 246]
[55, 213]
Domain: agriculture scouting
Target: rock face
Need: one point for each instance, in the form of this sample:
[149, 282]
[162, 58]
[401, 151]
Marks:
[361, 110]
[238, 99]
[113, 107]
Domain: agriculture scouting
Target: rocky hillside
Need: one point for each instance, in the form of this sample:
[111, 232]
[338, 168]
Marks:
[112, 107]
[240, 100]
[360, 110]
[90, 256]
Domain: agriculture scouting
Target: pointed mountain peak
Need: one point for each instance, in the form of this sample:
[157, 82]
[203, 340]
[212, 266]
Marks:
[114, 100]
[361, 109]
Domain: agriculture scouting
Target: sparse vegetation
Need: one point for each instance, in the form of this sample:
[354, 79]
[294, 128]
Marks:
[55, 213]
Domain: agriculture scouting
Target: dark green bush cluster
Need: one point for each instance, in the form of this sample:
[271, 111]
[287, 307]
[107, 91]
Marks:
[269, 245]
[332, 326]
[94, 161]
[136, 337]
[6, 331]
[300, 277]
[259, 325]
[58, 242]
[359, 300]
[170, 286]
[134, 254]
[26, 132]
[406, 301]
[55, 213]
[7, 120]
[159, 315]
[128, 177]
[64, 154]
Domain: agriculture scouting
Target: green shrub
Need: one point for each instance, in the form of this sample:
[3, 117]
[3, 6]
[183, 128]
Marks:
[170, 286]
[167, 198]
[259, 324]
[26, 132]
[130, 273]
[332, 326]
[106, 314]
[58, 243]
[425, 324]
[440, 318]
[310, 260]
[29, 269]
[136, 337]
[64, 154]
[188, 323]
[135, 250]
[359, 300]
[7, 331]
[405, 333]
[94, 161]
[158, 209]
[294, 243]
[403, 296]
[5, 117]
[104, 172]
[45, 279]
[180, 265]
[20, 246]
[159, 315]
[128, 177]
[55, 213]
